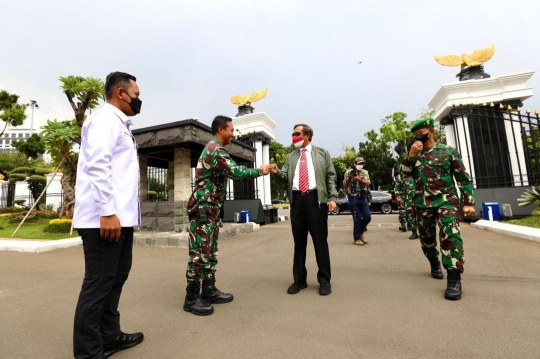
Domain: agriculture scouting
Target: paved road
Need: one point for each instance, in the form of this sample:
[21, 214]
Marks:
[384, 305]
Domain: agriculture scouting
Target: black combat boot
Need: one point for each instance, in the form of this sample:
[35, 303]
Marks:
[193, 302]
[453, 288]
[402, 227]
[414, 234]
[213, 295]
[436, 271]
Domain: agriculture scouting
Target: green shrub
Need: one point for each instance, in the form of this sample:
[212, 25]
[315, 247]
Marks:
[17, 218]
[60, 225]
[25, 170]
[151, 194]
[37, 179]
[42, 171]
[16, 177]
[57, 228]
[20, 202]
[49, 214]
[46, 207]
[11, 210]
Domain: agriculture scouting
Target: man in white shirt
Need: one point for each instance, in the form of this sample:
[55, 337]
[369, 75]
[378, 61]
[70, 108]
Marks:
[106, 210]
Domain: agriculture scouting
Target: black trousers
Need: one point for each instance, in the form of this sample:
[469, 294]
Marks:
[107, 266]
[308, 216]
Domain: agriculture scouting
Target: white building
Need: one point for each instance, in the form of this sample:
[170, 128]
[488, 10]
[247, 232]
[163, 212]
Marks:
[10, 135]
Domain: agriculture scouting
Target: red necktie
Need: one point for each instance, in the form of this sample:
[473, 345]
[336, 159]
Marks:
[303, 181]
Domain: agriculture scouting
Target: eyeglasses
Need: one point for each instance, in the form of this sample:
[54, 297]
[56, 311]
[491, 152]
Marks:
[294, 134]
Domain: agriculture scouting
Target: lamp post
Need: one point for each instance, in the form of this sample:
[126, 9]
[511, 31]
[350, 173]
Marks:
[33, 104]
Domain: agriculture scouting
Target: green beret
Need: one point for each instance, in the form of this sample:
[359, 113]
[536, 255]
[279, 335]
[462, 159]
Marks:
[423, 123]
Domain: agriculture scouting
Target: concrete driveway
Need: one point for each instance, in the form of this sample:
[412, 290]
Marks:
[384, 303]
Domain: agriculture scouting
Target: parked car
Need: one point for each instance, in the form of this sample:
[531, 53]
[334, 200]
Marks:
[278, 201]
[381, 202]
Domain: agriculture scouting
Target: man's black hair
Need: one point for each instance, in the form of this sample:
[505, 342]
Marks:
[220, 121]
[115, 80]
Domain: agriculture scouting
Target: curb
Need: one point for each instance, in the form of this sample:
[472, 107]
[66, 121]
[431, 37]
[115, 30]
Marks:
[37, 246]
[528, 233]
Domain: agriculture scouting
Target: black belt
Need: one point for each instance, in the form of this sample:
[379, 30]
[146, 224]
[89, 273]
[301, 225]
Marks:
[309, 191]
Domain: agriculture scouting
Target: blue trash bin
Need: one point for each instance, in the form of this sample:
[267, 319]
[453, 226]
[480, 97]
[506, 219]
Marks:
[245, 216]
[491, 211]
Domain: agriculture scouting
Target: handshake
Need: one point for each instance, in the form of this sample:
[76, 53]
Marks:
[269, 169]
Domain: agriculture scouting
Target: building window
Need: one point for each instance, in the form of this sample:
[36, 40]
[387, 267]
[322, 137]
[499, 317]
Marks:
[20, 135]
[13, 135]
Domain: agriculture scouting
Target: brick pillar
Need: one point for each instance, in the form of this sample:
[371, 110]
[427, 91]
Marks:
[170, 182]
[182, 187]
[143, 171]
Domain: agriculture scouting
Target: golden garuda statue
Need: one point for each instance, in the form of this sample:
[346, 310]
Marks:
[242, 100]
[477, 58]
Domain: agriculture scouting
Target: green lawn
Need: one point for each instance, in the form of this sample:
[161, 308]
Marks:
[532, 221]
[30, 230]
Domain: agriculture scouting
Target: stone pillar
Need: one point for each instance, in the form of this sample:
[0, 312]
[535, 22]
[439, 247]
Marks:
[182, 187]
[170, 182]
[259, 161]
[143, 173]
[267, 198]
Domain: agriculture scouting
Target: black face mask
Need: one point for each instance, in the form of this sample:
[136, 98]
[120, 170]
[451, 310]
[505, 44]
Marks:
[135, 104]
[422, 137]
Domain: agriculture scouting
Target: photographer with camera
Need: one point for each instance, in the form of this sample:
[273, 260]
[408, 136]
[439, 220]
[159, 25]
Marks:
[357, 184]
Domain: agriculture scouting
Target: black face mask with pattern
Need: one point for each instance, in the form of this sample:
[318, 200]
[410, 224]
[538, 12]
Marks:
[422, 137]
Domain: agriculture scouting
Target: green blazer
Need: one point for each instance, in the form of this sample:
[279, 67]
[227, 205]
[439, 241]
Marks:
[325, 173]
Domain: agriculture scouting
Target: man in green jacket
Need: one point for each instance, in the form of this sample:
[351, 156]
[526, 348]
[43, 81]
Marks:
[311, 179]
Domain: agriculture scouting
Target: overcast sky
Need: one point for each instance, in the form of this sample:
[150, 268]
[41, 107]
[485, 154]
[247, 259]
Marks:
[190, 56]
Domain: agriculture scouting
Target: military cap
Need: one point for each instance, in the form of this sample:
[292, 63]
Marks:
[427, 122]
[359, 159]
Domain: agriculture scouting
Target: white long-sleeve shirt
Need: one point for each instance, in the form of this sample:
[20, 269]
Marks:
[311, 170]
[108, 171]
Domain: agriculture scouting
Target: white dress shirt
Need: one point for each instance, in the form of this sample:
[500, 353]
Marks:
[311, 170]
[108, 171]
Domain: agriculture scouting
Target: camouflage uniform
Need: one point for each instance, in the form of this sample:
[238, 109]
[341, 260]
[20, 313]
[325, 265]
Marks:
[213, 168]
[399, 191]
[436, 201]
[409, 185]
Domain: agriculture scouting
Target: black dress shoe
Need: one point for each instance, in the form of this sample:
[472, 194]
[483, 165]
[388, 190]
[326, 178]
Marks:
[325, 289]
[295, 288]
[124, 341]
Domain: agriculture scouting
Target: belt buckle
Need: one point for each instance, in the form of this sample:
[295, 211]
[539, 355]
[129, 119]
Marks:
[304, 193]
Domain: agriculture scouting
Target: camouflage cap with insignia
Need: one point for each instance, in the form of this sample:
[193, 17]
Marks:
[423, 123]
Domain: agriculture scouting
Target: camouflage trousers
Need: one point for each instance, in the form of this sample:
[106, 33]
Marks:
[203, 250]
[402, 215]
[410, 211]
[410, 217]
[446, 219]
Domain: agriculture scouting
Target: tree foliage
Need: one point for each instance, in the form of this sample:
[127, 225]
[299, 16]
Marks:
[60, 138]
[278, 155]
[11, 112]
[32, 147]
[83, 93]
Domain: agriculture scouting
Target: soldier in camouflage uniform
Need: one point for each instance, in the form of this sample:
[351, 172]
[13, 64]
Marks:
[409, 184]
[214, 167]
[434, 167]
[399, 193]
